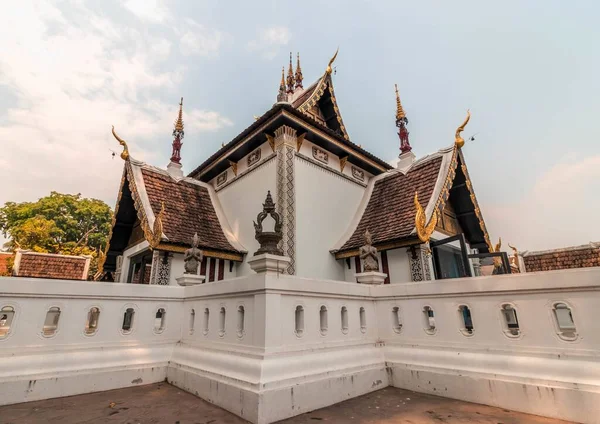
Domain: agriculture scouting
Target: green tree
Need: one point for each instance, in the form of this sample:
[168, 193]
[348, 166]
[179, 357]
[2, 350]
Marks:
[58, 223]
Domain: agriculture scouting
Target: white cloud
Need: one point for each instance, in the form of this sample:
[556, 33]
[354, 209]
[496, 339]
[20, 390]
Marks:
[560, 210]
[73, 76]
[149, 10]
[270, 40]
[196, 39]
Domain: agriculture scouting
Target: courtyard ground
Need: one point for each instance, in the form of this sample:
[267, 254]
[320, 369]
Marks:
[163, 403]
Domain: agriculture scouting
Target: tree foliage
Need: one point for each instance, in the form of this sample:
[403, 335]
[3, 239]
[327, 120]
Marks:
[58, 223]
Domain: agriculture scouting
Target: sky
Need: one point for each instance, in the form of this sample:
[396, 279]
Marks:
[528, 71]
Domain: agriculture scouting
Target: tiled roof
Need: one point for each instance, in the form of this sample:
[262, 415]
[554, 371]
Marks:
[4, 258]
[570, 257]
[188, 210]
[390, 212]
[44, 265]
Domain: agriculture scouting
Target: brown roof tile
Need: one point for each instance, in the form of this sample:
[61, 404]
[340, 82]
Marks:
[188, 210]
[390, 213]
[41, 265]
[4, 258]
[570, 257]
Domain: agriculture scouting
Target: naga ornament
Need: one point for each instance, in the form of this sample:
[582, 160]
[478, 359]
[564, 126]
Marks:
[424, 229]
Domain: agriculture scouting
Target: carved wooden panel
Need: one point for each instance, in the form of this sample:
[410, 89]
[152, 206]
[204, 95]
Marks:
[254, 157]
[320, 155]
[222, 179]
[358, 173]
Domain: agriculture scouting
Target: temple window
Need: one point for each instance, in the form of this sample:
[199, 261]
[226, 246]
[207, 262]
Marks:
[192, 320]
[91, 324]
[299, 321]
[466, 320]
[51, 321]
[128, 321]
[565, 324]
[222, 316]
[363, 319]
[7, 313]
[240, 321]
[429, 320]
[510, 320]
[344, 313]
[160, 320]
[206, 320]
[396, 321]
[323, 319]
[140, 267]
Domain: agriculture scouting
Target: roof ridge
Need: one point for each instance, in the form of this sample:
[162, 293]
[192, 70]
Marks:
[590, 245]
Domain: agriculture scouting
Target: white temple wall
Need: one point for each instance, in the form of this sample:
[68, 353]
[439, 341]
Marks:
[242, 200]
[68, 361]
[325, 205]
[399, 265]
[270, 370]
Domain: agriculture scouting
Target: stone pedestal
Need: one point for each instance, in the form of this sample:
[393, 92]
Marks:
[190, 279]
[371, 277]
[269, 264]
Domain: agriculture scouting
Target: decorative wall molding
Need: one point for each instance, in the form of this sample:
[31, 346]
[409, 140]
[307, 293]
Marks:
[358, 173]
[286, 198]
[320, 155]
[254, 157]
[247, 171]
[222, 179]
[319, 165]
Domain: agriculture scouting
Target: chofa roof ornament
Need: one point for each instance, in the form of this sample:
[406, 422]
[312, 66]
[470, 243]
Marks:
[268, 240]
[329, 70]
[458, 140]
[424, 229]
[125, 152]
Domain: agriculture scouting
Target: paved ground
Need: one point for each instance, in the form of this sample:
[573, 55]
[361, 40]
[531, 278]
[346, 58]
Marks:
[163, 403]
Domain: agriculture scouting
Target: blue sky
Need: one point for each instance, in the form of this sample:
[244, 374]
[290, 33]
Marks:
[527, 70]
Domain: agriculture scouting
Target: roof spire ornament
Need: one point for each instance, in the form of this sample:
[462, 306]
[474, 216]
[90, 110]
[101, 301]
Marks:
[125, 152]
[458, 140]
[282, 95]
[329, 70]
[298, 75]
[178, 134]
[290, 77]
[401, 122]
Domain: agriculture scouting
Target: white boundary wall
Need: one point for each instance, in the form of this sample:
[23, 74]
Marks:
[270, 369]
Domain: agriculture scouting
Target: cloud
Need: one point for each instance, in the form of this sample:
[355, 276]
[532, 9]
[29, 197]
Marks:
[154, 11]
[270, 40]
[196, 39]
[73, 75]
[560, 210]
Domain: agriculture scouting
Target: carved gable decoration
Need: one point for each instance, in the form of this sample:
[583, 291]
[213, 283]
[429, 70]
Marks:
[358, 173]
[222, 179]
[254, 157]
[320, 155]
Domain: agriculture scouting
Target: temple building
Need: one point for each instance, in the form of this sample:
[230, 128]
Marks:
[422, 214]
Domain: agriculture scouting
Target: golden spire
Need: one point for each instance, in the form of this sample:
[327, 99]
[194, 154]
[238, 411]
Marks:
[290, 77]
[179, 122]
[298, 75]
[328, 70]
[399, 111]
[125, 152]
[282, 83]
[458, 140]
[281, 94]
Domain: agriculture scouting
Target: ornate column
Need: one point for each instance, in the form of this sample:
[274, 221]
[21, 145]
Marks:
[420, 262]
[161, 268]
[285, 145]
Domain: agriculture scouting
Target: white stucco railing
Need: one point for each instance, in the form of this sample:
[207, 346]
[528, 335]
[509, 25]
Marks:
[267, 347]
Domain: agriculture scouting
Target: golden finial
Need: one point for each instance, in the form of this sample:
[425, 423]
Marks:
[179, 122]
[458, 140]
[424, 230]
[282, 83]
[399, 111]
[328, 70]
[290, 77]
[125, 152]
[298, 75]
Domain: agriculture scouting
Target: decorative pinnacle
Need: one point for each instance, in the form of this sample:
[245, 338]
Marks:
[399, 110]
[281, 95]
[179, 122]
[269, 205]
[290, 77]
[178, 134]
[298, 75]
